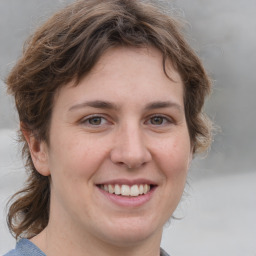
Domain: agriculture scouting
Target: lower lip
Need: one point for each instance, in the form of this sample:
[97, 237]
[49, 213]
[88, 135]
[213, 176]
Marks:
[129, 201]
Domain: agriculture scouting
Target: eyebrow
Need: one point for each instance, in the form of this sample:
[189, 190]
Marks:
[163, 104]
[95, 104]
[109, 105]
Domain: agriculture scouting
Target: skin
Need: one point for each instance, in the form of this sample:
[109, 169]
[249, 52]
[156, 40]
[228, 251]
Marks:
[141, 133]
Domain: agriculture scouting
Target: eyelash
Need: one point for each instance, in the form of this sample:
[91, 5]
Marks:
[86, 121]
[165, 120]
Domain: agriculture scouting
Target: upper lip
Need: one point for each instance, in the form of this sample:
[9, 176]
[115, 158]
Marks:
[129, 182]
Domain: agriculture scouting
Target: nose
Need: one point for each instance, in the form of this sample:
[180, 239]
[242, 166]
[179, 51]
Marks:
[130, 149]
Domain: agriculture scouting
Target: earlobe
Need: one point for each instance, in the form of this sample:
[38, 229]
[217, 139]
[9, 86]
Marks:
[38, 151]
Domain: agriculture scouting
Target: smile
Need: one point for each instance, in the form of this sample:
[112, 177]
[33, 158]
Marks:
[126, 190]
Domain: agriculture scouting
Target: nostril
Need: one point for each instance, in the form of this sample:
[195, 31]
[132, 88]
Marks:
[131, 155]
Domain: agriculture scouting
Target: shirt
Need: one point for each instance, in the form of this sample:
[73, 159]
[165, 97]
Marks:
[26, 248]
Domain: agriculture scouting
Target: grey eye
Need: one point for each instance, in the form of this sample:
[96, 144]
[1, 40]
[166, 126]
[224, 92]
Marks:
[95, 120]
[157, 120]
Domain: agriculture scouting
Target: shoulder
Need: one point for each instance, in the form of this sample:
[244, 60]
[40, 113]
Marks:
[163, 252]
[25, 248]
[12, 253]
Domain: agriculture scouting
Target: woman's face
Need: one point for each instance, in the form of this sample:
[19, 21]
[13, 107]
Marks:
[121, 130]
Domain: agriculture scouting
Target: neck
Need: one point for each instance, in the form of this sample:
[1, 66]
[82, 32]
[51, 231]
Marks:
[65, 242]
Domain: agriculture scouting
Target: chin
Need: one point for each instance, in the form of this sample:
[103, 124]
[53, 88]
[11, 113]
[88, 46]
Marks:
[131, 232]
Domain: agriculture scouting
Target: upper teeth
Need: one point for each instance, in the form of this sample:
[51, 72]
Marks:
[126, 190]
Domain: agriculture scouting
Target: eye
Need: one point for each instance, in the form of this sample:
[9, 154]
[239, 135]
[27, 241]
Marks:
[159, 120]
[94, 121]
[97, 120]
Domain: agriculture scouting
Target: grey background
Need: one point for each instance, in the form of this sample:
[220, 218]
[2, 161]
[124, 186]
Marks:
[219, 215]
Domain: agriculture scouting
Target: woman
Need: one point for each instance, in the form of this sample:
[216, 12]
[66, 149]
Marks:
[110, 100]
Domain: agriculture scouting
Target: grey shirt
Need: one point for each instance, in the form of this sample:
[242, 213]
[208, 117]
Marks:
[26, 248]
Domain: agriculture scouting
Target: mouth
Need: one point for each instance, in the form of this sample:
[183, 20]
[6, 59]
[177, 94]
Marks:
[127, 190]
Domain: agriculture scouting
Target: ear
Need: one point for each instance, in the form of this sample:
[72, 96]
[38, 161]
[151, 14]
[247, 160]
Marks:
[38, 151]
[191, 157]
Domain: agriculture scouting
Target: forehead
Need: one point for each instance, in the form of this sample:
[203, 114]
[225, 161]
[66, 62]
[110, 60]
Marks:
[130, 74]
[144, 57]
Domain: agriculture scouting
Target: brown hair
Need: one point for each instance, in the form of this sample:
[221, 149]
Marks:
[66, 48]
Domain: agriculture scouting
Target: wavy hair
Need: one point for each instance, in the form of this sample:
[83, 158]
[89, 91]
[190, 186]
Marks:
[66, 48]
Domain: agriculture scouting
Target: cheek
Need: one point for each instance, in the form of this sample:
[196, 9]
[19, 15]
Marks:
[76, 157]
[174, 157]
